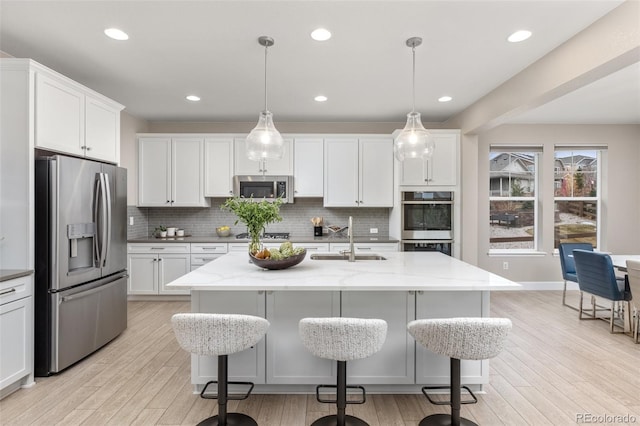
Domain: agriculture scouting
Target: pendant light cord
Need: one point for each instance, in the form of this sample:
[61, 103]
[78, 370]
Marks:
[413, 51]
[265, 78]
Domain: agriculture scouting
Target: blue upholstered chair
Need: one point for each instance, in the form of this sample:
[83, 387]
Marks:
[568, 265]
[597, 277]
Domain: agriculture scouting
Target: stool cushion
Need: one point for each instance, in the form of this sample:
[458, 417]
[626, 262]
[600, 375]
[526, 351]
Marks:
[217, 334]
[462, 338]
[342, 339]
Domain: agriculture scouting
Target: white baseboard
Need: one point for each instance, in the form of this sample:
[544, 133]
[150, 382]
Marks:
[547, 285]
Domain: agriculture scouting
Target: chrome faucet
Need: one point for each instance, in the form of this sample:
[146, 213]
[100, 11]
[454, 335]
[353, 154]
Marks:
[352, 252]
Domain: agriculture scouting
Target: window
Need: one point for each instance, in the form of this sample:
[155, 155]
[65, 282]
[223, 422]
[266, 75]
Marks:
[577, 195]
[513, 178]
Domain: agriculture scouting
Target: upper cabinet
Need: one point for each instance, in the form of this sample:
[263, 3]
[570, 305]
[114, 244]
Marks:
[441, 168]
[218, 167]
[170, 172]
[358, 172]
[244, 166]
[308, 167]
[72, 119]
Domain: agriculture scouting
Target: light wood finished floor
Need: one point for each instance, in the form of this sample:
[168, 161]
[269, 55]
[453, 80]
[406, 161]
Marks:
[553, 368]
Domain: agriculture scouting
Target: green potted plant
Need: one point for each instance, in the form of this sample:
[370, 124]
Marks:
[256, 215]
[161, 231]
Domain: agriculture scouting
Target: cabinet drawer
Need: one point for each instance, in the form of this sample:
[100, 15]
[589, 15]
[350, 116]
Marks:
[218, 248]
[201, 259]
[15, 289]
[365, 247]
[159, 248]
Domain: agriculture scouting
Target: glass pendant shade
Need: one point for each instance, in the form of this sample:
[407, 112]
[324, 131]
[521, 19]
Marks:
[264, 141]
[414, 141]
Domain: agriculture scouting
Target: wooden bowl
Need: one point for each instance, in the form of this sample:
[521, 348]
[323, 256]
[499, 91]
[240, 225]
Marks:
[279, 264]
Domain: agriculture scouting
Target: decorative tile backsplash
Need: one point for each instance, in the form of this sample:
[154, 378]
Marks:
[296, 219]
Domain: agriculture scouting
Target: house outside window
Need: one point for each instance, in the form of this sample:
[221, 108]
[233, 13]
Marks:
[513, 198]
[577, 195]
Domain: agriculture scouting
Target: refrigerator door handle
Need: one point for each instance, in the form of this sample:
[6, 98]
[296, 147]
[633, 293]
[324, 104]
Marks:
[107, 191]
[96, 205]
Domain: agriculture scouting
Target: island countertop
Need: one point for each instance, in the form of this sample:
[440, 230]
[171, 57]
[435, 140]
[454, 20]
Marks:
[410, 271]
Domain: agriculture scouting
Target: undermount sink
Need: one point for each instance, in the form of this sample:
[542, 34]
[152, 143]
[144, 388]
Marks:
[340, 256]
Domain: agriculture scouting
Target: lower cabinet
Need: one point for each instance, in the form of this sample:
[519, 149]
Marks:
[245, 366]
[16, 339]
[364, 248]
[152, 267]
[288, 361]
[432, 368]
[395, 362]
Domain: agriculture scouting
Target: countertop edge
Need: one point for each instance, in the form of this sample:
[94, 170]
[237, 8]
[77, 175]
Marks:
[11, 274]
[293, 239]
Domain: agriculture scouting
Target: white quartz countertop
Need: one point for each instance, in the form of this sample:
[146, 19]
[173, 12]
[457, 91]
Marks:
[426, 271]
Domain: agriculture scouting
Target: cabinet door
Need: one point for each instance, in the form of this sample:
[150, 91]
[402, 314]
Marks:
[394, 364]
[59, 116]
[288, 361]
[154, 168]
[244, 166]
[218, 167]
[102, 131]
[16, 340]
[376, 173]
[172, 267]
[341, 173]
[247, 365]
[143, 273]
[187, 175]
[308, 167]
[434, 369]
[442, 167]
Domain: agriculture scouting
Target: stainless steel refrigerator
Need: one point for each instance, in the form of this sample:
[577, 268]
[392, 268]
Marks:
[80, 247]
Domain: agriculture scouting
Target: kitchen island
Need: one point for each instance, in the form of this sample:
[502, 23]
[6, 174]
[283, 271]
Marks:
[405, 286]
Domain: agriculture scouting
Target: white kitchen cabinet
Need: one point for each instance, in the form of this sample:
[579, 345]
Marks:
[432, 368]
[358, 172]
[248, 365]
[203, 253]
[364, 248]
[152, 266]
[308, 167]
[171, 172]
[288, 361]
[440, 169]
[16, 334]
[218, 167]
[281, 167]
[72, 119]
[395, 362]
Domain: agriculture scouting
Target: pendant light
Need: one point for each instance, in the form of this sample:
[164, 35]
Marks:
[414, 141]
[265, 141]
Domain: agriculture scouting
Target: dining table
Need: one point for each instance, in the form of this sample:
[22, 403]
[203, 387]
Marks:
[620, 263]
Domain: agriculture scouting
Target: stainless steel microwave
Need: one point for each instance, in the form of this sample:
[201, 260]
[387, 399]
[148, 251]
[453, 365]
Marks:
[264, 187]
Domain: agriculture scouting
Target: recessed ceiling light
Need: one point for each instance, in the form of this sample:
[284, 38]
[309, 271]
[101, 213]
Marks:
[193, 98]
[320, 98]
[444, 98]
[116, 34]
[519, 36]
[321, 34]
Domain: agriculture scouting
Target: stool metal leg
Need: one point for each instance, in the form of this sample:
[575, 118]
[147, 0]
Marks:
[341, 419]
[454, 419]
[223, 418]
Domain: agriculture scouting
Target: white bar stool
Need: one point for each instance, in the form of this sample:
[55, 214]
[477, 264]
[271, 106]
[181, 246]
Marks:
[458, 338]
[220, 335]
[342, 339]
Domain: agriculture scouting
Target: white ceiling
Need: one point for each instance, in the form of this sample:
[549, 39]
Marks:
[210, 48]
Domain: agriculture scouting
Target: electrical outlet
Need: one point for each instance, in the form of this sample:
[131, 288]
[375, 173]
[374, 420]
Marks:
[505, 265]
[373, 230]
[130, 220]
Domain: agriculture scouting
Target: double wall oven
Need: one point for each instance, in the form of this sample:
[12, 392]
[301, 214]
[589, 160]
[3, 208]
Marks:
[427, 221]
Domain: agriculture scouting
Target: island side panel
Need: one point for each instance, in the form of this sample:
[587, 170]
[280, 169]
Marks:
[288, 361]
[395, 362]
[433, 369]
[247, 365]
